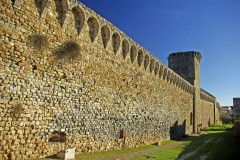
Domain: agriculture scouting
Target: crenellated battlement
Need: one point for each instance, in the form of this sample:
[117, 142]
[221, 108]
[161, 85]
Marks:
[186, 64]
[185, 55]
[100, 28]
[69, 78]
[206, 96]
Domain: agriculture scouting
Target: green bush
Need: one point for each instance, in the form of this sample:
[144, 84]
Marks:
[67, 51]
[226, 119]
[38, 42]
[17, 110]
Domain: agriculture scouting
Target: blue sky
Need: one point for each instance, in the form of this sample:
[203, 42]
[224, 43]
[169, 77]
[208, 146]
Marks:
[165, 26]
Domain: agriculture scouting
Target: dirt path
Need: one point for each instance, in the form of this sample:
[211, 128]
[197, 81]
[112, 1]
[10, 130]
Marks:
[142, 153]
[205, 156]
[187, 155]
[147, 152]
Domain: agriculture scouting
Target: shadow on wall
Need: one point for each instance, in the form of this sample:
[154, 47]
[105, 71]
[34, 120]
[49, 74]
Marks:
[177, 130]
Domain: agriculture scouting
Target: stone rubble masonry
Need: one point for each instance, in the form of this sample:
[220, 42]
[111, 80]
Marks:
[114, 87]
[236, 108]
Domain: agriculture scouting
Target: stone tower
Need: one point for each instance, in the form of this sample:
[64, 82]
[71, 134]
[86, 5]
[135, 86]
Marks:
[236, 108]
[236, 102]
[187, 65]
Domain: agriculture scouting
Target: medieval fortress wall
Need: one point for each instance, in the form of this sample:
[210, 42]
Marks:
[115, 94]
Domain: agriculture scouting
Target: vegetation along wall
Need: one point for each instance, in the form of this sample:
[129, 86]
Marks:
[69, 78]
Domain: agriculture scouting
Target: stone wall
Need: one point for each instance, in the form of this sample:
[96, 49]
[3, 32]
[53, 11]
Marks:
[114, 88]
[236, 108]
[209, 110]
[236, 102]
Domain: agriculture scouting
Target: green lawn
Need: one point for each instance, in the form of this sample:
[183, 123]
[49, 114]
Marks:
[108, 153]
[218, 143]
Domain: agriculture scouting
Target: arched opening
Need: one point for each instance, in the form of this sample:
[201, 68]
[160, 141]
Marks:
[152, 65]
[177, 81]
[62, 8]
[174, 79]
[184, 86]
[165, 73]
[93, 28]
[125, 48]
[57, 137]
[181, 83]
[105, 33]
[156, 69]
[140, 57]
[161, 71]
[79, 18]
[146, 61]
[13, 1]
[189, 88]
[133, 53]
[168, 75]
[39, 5]
[115, 42]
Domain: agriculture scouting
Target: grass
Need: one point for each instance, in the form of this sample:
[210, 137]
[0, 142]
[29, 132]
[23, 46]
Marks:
[110, 153]
[218, 143]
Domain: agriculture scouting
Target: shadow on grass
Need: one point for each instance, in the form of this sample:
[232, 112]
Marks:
[220, 144]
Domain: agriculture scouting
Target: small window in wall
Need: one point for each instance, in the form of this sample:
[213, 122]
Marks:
[93, 28]
[191, 118]
[140, 57]
[133, 53]
[79, 18]
[146, 61]
[105, 33]
[115, 42]
[125, 48]
[152, 65]
[62, 8]
[57, 136]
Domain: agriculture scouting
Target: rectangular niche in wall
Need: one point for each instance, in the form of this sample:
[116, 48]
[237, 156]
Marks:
[57, 136]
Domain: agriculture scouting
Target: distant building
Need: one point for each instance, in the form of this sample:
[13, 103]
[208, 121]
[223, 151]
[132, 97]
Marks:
[227, 111]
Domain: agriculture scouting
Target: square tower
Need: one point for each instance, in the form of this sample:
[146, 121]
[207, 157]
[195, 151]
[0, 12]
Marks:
[187, 65]
[236, 108]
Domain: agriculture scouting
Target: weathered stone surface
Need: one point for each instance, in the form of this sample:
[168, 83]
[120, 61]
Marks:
[91, 99]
